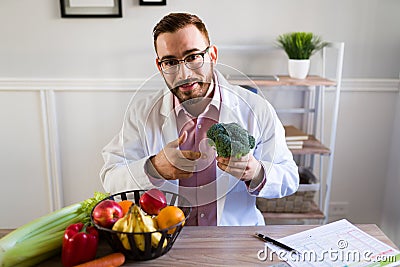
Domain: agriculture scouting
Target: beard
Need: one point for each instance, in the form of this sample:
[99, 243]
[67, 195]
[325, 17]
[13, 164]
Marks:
[194, 88]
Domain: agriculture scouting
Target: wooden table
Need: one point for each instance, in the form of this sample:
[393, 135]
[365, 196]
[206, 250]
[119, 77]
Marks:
[221, 246]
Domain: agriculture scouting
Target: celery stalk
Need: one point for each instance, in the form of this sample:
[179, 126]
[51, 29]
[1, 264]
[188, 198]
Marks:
[35, 226]
[42, 237]
[30, 248]
[59, 223]
[58, 220]
[37, 259]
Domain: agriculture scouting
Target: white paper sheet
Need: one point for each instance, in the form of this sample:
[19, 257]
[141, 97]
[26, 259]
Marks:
[337, 244]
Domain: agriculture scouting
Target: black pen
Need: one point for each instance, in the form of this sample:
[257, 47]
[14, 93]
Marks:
[275, 242]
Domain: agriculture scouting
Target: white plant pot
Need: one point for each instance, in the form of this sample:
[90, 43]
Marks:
[298, 68]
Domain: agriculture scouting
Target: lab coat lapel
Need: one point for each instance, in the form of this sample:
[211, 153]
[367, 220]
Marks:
[168, 132]
[230, 107]
[168, 121]
[229, 112]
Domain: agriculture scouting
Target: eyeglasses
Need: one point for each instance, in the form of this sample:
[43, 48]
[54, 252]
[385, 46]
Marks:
[192, 61]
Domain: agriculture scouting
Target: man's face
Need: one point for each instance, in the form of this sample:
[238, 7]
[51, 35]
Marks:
[186, 83]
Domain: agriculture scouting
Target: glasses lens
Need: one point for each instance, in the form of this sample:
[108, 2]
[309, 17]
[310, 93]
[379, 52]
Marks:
[195, 61]
[169, 68]
[169, 65]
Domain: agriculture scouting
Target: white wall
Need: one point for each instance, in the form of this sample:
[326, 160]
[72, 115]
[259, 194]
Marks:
[92, 64]
[362, 151]
[391, 210]
[37, 43]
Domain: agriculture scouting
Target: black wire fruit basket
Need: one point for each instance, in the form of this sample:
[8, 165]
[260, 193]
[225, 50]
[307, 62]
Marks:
[150, 252]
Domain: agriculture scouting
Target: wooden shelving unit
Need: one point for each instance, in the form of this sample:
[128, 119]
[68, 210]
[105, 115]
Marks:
[314, 146]
[311, 146]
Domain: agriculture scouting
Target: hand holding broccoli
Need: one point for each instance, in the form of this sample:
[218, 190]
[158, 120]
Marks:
[246, 168]
[233, 144]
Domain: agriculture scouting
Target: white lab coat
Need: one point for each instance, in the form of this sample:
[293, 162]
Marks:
[150, 124]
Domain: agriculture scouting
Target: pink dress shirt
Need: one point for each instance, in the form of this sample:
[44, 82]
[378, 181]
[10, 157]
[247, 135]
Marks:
[200, 189]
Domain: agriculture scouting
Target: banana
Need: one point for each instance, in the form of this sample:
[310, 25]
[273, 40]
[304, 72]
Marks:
[135, 221]
[145, 223]
[125, 224]
[138, 228]
[150, 226]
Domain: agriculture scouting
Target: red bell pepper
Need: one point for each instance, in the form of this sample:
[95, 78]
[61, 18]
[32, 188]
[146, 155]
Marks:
[79, 244]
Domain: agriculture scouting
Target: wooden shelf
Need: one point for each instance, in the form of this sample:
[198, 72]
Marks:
[284, 80]
[312, 146]
[314, 214]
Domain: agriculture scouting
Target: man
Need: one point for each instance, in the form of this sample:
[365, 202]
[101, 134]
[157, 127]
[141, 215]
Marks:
[163, 140]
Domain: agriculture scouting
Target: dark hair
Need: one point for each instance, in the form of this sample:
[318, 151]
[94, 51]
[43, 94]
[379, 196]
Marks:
[176, 21]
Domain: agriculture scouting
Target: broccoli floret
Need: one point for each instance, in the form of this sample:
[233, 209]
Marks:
[230, 139]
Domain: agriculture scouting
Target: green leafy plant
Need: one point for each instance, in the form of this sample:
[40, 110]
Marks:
[300, 45]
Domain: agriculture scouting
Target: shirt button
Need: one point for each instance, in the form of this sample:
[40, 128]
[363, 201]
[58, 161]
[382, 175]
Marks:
[202, 215]
[199, 126]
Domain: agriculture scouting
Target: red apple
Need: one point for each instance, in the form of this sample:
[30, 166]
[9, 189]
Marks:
[152, 201]
[107, 212]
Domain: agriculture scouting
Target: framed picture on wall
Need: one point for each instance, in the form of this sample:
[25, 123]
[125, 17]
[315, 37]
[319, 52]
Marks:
[91, 8]
[152, 2]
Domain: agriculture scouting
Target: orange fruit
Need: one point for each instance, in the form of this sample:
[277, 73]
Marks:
[125, 205]
[169, 216]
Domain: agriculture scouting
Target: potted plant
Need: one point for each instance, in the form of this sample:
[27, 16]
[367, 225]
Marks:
[299, 46]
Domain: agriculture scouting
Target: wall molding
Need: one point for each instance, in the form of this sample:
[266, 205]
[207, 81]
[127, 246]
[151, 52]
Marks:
[370, 85]
[78, 84]
[52, 149]
[110, 85]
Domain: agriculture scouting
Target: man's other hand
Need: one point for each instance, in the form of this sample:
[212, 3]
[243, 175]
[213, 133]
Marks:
[172, 163]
